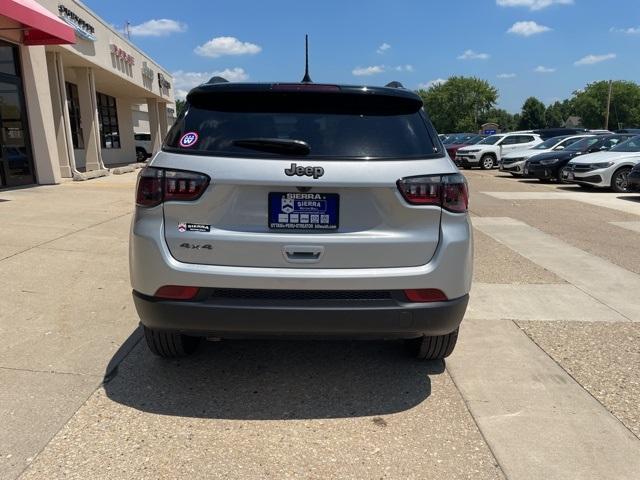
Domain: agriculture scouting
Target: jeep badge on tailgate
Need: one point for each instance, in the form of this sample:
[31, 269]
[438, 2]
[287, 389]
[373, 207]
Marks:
[315, 172]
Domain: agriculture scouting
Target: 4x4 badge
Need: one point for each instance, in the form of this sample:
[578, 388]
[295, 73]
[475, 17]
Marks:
[294, 169]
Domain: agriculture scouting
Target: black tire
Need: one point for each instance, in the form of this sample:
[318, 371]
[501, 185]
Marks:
[467, 167]
[141, 154]
[432, 348]
[619, 180]
[487, 162]
[170, 344]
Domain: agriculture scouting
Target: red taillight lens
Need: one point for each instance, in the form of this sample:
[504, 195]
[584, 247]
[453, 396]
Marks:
[149, 188]
[183, 185]
[447, 191]
[421, 190]
[157, 185]
[425, 295]
[455, 194]
[176, 292]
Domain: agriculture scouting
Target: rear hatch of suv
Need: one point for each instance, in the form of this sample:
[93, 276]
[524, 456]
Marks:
[302, 177]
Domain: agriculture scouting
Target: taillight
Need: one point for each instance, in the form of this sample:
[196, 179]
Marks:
[157, 185]
[447, 191]
[425, 295]
[149, 188]
[183, 185]
[177, 292]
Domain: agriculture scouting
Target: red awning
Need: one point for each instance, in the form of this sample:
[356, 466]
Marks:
[41, 26]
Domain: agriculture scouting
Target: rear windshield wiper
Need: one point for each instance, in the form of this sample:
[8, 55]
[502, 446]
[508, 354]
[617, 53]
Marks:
[274, 145]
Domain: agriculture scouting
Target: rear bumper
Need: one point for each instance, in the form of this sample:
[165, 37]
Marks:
[234, 318]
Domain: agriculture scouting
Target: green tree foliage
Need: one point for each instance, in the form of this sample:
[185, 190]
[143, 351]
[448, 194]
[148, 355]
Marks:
[532, 116]
[180, 106]
[554, 116]
[506, 120]
[459, 104]
[590, 104]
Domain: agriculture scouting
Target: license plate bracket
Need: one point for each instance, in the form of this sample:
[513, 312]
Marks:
[303, 211]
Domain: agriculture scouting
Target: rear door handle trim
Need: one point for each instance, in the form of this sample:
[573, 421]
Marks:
[302, 253]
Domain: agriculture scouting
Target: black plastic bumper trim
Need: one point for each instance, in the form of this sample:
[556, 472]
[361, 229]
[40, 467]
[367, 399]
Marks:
[336, 318]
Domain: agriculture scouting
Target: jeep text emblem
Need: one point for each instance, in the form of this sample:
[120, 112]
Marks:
[294, 169]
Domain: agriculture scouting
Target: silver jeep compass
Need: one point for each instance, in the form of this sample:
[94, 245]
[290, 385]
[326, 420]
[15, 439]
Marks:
[301, 210]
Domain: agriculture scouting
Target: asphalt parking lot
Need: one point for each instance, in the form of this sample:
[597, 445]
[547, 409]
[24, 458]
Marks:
[544, 383]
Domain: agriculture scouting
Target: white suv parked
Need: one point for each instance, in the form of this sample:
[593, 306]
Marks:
[514, 162]
[487, 153]
[301, 210]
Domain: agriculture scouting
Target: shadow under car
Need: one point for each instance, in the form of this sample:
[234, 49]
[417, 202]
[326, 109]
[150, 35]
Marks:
[274, 379]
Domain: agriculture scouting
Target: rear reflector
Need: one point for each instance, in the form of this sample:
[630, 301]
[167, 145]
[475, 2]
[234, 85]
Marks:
[447, 191]
[425, 295]
[176, 292]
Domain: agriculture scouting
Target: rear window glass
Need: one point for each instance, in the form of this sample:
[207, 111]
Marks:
[332, 129]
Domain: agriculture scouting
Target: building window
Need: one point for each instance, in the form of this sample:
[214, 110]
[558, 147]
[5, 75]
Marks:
[73, 103]
[108, 116]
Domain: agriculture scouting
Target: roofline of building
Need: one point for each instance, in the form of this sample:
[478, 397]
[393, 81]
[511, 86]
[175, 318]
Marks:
[122, 37]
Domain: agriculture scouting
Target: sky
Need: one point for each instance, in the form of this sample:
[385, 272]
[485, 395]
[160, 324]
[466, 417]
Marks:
[541, 48]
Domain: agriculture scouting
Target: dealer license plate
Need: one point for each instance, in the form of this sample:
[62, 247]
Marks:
[303, 211]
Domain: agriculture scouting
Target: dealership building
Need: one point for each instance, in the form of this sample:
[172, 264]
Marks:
[70, 85]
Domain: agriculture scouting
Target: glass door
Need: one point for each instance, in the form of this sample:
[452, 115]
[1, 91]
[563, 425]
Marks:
[16, 165]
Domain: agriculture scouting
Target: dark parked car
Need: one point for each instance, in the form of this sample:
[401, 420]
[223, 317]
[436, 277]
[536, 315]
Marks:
[635, 131]
[546, 133]
[467, 139]
[633, 179]
[548, 166]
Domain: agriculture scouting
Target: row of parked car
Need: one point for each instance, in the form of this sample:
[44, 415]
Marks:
[587, 158]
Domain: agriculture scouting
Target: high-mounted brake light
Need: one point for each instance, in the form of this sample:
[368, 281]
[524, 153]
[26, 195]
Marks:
[304, 87]
[157, 185]
[447, 191]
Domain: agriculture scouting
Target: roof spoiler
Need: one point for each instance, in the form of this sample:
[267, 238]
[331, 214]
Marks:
[217, 79]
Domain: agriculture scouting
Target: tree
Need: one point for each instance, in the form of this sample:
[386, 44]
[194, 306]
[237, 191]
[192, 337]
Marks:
[459, 104]
[503, 118]
[180, 106]
[554, 116]
[590, 104]
[532, 114]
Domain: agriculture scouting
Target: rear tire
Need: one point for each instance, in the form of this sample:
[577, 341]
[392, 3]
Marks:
[432, 348]
[170, 344]
[487, 162]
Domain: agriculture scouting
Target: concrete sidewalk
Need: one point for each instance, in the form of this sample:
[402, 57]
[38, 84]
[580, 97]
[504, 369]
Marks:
[65, 305]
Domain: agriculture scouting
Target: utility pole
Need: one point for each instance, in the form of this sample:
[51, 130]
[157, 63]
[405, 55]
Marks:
[606, 117]
[127, 30]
